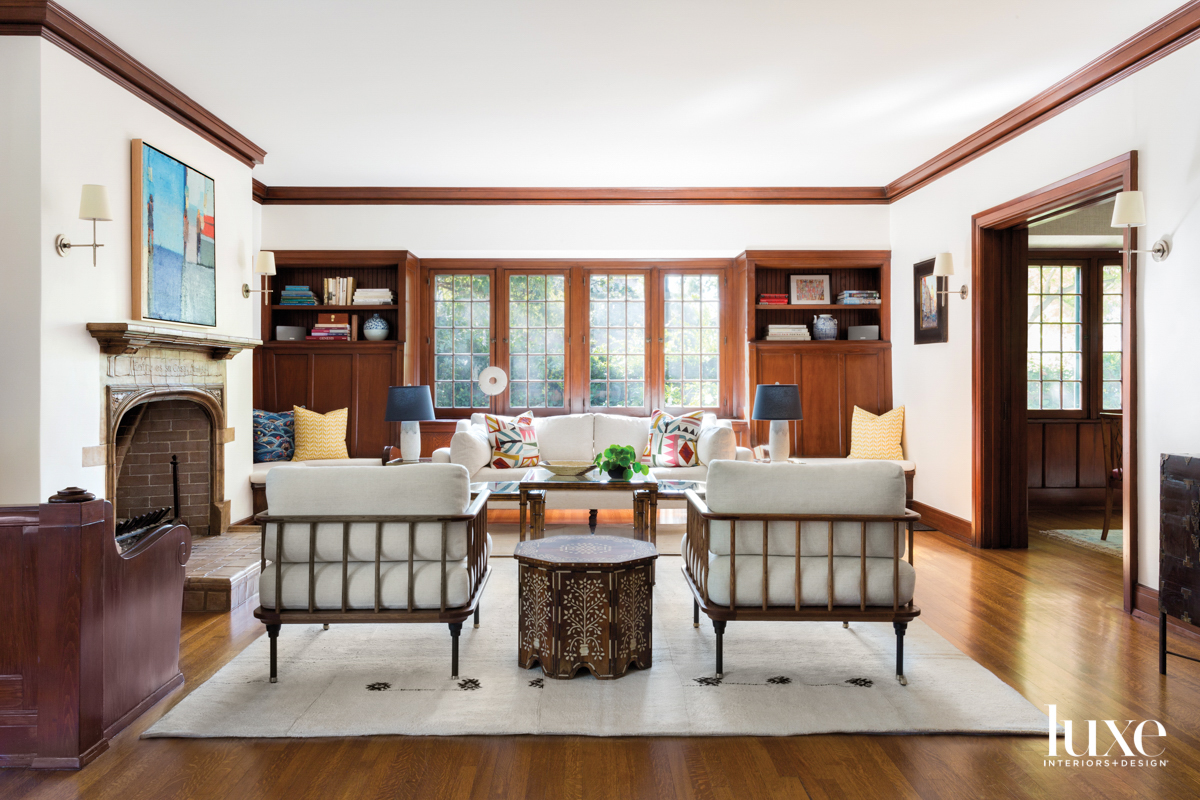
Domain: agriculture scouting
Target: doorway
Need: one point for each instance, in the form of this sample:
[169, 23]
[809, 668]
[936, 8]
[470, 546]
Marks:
[1000, 385]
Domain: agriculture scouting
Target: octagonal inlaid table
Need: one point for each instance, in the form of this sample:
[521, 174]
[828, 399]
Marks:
[585, 602]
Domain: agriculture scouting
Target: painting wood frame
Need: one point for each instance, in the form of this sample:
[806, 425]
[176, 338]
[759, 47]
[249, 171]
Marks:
[140, 262]
[940, 331]
[794, 297]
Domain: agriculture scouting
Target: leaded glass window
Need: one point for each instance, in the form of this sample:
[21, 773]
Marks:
[537, 325]
[1054, 355]
[617, 341]
[462, 335]
[1110, 337]
[692, 340]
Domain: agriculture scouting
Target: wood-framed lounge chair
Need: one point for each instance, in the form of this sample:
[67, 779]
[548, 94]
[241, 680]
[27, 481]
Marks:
[740, 552]
[372, 544]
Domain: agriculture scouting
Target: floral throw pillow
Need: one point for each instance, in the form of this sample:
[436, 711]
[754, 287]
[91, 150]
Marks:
[673, 439]
[274, 435]
[514, 444]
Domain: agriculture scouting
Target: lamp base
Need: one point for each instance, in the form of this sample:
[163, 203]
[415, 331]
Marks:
[780, 445]
[410, 441]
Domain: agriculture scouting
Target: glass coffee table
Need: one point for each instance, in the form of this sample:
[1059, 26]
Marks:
[642, 488]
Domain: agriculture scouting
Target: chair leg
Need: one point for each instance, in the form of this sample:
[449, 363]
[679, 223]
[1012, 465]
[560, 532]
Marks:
[1108, 495]
[325, 627]
[695, 614]
[900, 627]
[455, 630]
[273, 635]
[592, 520]
[477, 615]
[719, 627]
[845, 624]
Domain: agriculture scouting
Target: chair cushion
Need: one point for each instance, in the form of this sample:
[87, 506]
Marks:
[814, 581]
[258, 473]
[874, 436]
[393, 577]
[618, 429]
[696, 473]
[410, 489]
[320, 435]
[274, 436]
[672, 440]
[514, 444]
[566, 437]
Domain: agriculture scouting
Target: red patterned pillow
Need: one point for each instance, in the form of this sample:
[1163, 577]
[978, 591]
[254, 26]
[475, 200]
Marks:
[672, 440]
[514, 444]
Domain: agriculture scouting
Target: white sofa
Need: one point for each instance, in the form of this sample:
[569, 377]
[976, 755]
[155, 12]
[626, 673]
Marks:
[579, 437]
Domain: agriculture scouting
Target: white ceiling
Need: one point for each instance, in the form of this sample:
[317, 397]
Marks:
[613, 93]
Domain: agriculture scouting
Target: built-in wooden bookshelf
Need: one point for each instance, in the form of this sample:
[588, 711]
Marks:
[327, 375]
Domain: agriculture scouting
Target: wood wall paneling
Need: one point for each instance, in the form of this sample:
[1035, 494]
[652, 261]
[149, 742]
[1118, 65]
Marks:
[1034, 454]
[1061, 459]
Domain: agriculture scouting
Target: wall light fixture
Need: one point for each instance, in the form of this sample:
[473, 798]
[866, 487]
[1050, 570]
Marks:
[943, 267]
[93, 205]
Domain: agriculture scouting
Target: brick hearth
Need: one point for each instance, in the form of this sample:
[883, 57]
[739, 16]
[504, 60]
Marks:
[222, 573]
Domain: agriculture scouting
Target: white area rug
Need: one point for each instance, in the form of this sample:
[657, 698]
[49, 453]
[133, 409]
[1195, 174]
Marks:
[1090, 538]
[780, 679]
[505, 535]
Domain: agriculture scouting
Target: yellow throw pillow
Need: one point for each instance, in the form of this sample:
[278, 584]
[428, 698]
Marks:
[874, 436]
[320, 435]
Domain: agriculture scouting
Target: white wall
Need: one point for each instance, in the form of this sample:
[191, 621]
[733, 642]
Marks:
[1151, 112]
[578, 231]
[87, 123]
[20, 230]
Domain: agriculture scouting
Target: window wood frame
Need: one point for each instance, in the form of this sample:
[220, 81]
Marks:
[577, 366]
[1090, 262]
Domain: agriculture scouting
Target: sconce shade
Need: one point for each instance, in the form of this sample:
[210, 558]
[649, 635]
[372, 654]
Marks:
[943, 265]
[777, 401]
[1129, 210]
[265, 263]
[93, 203]
[409, 404]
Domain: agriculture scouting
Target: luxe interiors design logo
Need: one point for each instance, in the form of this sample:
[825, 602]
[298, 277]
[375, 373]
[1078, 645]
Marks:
[1144, 752]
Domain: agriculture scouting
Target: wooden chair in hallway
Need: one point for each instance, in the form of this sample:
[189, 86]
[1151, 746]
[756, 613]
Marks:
[1112, 437]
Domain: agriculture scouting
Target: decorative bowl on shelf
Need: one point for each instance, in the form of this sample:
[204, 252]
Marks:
[568, 468]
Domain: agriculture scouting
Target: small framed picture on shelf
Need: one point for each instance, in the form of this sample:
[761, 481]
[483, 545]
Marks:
[931, 319]
[810, 290]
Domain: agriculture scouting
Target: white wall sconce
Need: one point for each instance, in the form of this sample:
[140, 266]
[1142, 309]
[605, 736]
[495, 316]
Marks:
[943, 267]
[1129, 211]
[93, 205]
[263, 265]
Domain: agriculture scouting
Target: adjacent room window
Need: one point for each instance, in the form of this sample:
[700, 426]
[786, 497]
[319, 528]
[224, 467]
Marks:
[1073, 355]
[462, 336]
[692, 340]
[537, 328]
[617, 341]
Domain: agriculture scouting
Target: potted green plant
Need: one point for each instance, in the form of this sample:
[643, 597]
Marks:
[620, 462]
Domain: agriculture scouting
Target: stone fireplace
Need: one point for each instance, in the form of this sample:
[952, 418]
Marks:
[164, 394]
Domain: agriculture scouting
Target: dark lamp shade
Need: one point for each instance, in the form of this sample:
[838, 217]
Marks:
[777, 401]
[409, 404]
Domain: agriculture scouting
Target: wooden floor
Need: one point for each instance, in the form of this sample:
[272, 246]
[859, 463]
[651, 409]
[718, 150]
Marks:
[1046, 620]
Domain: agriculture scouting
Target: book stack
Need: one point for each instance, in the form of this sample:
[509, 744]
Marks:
[332, 328]
[768, 299]
[373, 297]
[297, 296]
[787, 333]
[858, 297]
[338, 291]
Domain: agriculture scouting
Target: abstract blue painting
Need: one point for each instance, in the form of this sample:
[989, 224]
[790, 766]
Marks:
[177, 210]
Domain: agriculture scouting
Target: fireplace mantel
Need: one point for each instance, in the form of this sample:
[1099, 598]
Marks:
[126, 339]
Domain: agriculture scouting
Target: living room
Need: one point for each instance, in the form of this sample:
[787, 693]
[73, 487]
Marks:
[458, 245]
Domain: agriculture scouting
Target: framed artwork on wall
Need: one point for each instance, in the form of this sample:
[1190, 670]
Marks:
[174, 245]
[931, 321]
[810, 290]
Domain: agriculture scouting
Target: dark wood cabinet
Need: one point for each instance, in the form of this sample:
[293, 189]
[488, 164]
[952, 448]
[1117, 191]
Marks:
[1179, 544]
[833, 377]
[326, 376]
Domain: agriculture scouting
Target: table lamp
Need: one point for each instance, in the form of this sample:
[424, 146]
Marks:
[409, 405]
[778, 403]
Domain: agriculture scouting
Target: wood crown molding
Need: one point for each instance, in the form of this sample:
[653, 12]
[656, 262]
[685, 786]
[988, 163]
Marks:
[58, 25]
[1177, 29]
[434, 195]
[127, 339]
